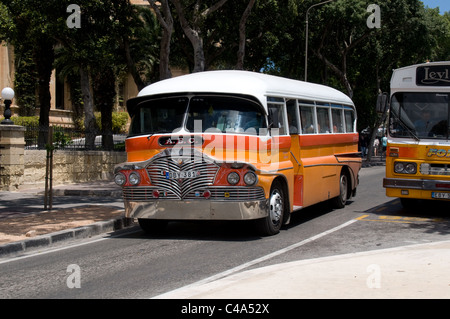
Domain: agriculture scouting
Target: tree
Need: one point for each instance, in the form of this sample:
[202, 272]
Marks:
[165, 19]
[341, 33]
[193, 26]
[242, 35]
[24, 64]
[32, 22]
[99, 51]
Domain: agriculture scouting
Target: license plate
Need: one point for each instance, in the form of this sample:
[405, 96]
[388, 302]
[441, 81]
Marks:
[180, 175]
[440, 195]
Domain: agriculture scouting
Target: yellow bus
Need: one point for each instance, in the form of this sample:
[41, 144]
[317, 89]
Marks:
[418, 148]
[237, 145]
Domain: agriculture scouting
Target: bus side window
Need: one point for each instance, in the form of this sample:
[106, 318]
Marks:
[277, 118]
[323, 120]
[349, 116]
[336, 116]
[291, 106]
[307, 119]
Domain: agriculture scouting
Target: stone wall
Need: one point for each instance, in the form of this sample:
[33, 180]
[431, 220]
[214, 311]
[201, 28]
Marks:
[70, 166]
[21, 169]
[11, 156]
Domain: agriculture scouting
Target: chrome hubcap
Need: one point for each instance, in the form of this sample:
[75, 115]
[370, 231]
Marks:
[276, 206]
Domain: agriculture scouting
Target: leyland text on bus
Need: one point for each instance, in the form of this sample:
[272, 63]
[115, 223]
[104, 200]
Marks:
[417, 157]
[236, 145]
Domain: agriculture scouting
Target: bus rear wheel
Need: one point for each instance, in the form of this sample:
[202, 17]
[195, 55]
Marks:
[341, 199]
[271, 224]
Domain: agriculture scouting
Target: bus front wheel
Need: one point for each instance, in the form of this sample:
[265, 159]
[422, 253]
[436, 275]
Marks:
[271, 224]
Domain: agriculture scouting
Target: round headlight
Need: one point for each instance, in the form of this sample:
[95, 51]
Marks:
[134, 178]
[233, 178]
[399, 167]
[250, 178]
[120, 179]
[410, 168]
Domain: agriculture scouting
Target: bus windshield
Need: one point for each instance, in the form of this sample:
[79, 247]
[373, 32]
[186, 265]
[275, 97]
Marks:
[198, 113]
[225, 114]
[420, 115]
[162, 115]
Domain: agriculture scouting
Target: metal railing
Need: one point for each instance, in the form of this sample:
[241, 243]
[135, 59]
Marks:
[66, 138]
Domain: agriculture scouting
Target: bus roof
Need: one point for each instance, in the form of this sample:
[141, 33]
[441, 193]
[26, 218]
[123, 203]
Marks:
[424, 77]
[254, 84]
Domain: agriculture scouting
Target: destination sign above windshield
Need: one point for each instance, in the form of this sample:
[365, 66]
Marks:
[437, 75]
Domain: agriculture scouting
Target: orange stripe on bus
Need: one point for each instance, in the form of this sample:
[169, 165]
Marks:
[327, 139]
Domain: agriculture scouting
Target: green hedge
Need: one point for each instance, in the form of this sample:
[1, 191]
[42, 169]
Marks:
[119, 121]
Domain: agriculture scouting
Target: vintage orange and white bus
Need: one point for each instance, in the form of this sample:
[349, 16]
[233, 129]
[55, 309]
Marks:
[418, 149]
[237, 145]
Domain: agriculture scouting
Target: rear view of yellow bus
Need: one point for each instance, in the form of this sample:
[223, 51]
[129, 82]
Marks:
[418, 150]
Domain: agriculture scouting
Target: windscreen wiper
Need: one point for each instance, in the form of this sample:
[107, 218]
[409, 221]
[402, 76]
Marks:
[410, 131]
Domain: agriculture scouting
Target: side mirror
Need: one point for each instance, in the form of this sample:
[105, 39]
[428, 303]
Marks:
[382, 102]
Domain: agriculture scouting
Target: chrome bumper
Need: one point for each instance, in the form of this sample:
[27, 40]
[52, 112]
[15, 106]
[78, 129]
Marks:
[430, 185]
[196, 209]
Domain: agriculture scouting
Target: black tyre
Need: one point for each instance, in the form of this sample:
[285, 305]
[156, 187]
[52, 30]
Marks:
[271, 224]
[341, 199]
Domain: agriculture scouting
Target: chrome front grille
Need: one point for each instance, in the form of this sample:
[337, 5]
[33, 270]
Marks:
[143, 193]
[232, 193]
[180, 188]
[218, 193]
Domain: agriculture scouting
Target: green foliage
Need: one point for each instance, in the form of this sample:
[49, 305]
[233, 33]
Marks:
[119, 122]
[26, 120]
[60, 139]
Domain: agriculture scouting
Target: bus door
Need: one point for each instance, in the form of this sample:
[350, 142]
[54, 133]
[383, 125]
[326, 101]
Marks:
[294, 131]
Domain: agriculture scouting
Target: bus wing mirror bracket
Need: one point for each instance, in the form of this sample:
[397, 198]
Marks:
[382, 102]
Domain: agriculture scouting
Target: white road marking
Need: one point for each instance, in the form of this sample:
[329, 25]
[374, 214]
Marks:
[256, 261]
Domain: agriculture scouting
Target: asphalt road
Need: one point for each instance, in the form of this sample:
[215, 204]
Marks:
[135, 265]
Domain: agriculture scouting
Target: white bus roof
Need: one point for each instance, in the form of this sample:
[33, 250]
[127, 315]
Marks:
[405, 79]
[254, 84]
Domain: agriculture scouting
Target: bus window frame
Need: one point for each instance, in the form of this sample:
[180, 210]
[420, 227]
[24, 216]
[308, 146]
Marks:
[296, 114]
[278, 102]
[354, 118]
[311, 105]
[325, 106]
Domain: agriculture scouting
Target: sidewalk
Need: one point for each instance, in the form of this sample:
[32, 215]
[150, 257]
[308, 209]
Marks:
[413, 272]
[78, 211]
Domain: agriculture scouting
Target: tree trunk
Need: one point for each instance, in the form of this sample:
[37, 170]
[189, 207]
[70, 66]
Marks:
[89, 118]
[166, 21]
[131, 65]
[242, 35]
[103, 86]
[44, 57]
